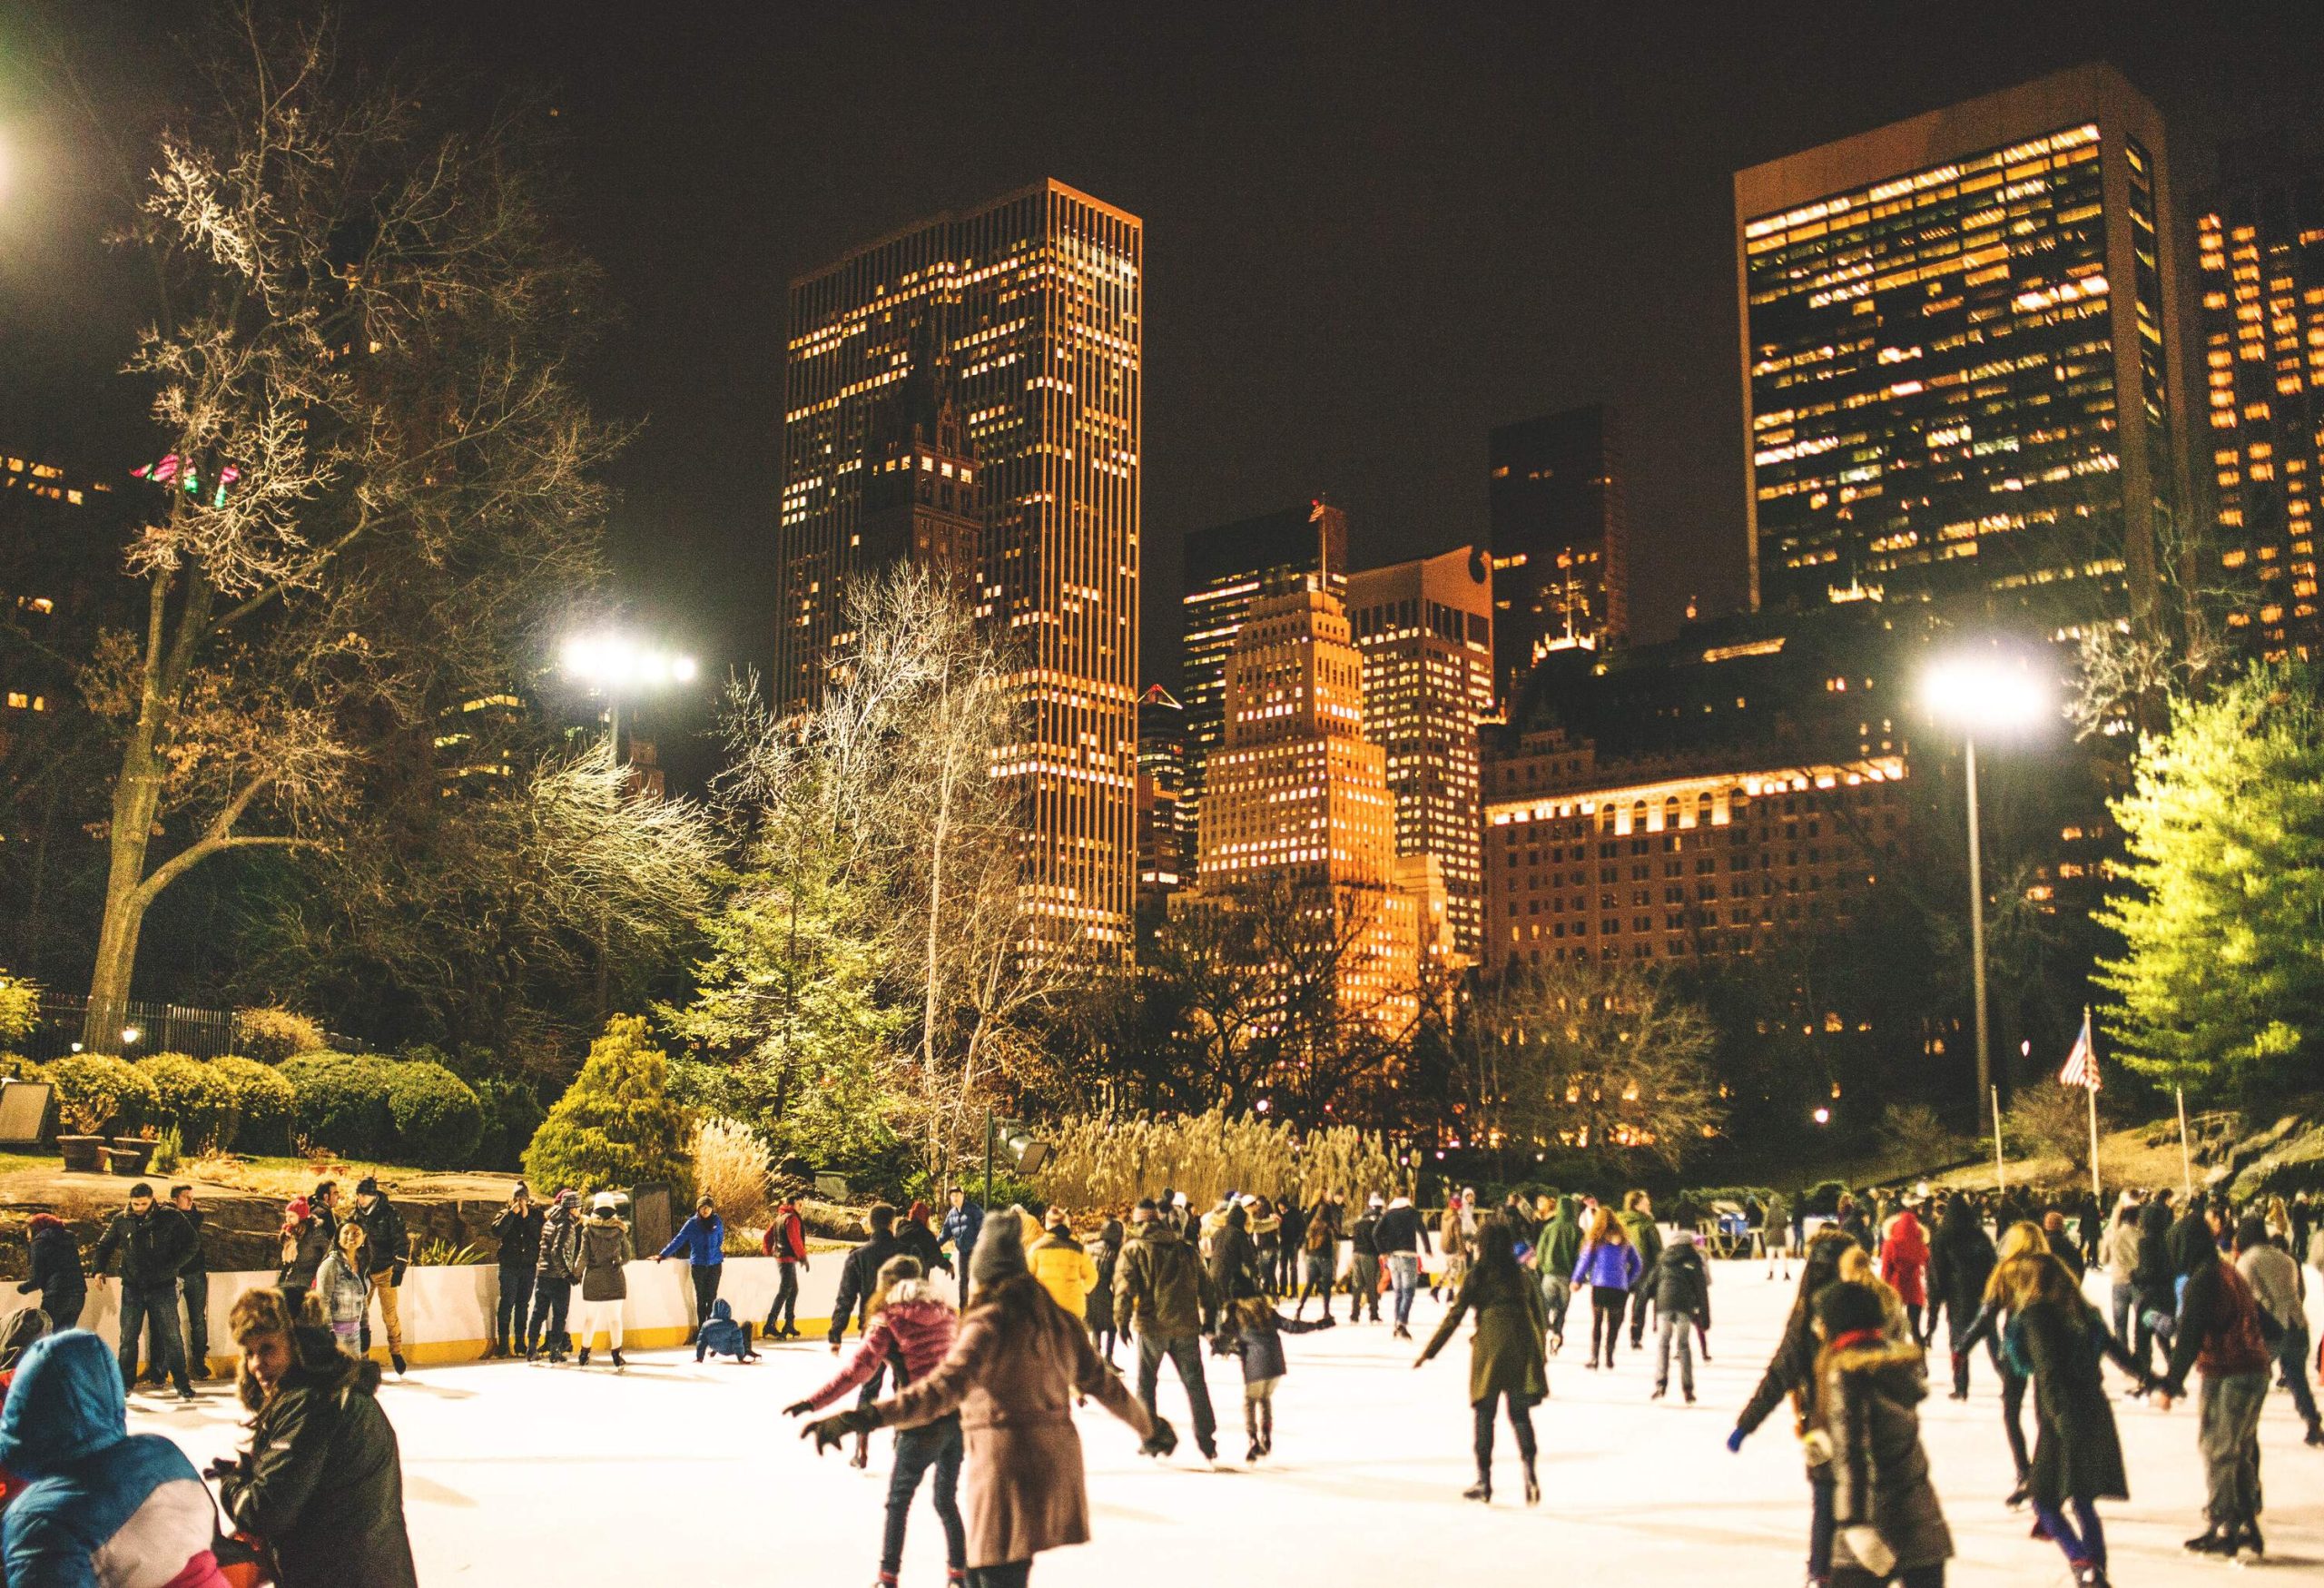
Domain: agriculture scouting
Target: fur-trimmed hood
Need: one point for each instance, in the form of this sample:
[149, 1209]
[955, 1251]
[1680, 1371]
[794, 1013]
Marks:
[919, 1292]
[1899, 1370]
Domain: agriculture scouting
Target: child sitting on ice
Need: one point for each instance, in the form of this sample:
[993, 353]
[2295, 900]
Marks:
[1253, 1330]
[723, 1336]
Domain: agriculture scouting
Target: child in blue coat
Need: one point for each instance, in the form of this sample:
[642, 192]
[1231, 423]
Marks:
[723, 1336]
[1252, 1330]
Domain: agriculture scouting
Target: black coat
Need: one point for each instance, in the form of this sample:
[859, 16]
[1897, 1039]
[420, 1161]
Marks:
[921, 1242]
[2193, 1246]
[55, 1270]
[858, 1278]
[1959, 1260]
[1680, 1282]
[2077, 1455]
[309, 1246]
[2153, 1274]
[519, 1235]
[387, 1243]
[197, 1258]
[1235, 1262]
[322, 1484]
[152, 1249]
[1866, 1400]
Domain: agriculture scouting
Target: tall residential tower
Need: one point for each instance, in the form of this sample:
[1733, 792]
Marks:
[1024, 314]
[1960, 337]
[1560, 540]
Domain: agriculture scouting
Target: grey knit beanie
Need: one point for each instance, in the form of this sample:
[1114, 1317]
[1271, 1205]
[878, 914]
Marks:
[999, 1254]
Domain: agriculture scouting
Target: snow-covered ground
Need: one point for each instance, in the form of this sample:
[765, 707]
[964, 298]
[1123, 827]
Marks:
[669, 1472]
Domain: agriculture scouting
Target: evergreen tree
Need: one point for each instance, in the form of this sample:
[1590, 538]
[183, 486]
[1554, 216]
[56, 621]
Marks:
[616, 1124]
[2221, 981]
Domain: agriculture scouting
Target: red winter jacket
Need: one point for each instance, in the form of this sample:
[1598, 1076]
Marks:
[785, 1240]
[917, 1324]
[1904, 1259]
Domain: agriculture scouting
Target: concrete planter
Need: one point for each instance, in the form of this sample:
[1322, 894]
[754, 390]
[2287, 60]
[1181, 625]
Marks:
[81, 1154]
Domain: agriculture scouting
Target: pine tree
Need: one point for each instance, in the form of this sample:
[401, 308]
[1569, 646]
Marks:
[616, 1125]
[2220, 982]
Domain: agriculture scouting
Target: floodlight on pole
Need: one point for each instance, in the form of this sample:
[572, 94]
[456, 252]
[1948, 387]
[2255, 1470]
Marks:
[1996, 693]
[614, 665]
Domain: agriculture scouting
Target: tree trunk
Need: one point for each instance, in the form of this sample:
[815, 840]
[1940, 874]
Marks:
[928, 996]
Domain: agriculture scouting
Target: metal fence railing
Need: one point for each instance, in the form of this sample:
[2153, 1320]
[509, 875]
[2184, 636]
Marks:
[133, 1029]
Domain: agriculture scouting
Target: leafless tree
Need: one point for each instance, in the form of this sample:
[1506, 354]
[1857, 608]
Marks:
[379, 482]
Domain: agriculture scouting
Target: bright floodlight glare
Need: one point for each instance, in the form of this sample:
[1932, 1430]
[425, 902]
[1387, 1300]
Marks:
[1985, 690]
[613, 661]
[683, 669]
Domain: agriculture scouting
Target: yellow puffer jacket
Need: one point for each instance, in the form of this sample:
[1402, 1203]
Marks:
[1066, 1272]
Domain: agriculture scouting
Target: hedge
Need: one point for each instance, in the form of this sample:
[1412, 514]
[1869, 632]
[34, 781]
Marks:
[193, 1098]
[273, 1035]
[438, 1116]
[340, 1104]
[263, 1103]
[95, 1094]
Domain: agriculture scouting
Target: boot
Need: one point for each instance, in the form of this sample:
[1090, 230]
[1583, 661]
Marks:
[1532, 1483]
[1267, 1428]
[583, 1358]
[2214, 1540]
[397, 1358]
[2250, 1539]
[2316, 1433]
[1482, 1490]
[618, 1363]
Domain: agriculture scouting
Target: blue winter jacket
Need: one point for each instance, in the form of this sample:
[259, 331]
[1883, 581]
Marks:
[94, 1485]
[722, 1335]
[1605, 1263]
[705, 1245]
[962, 1227]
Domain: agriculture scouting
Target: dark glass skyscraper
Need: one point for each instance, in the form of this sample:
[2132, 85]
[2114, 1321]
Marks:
[1560, 540]
[1030, 305]
[1959, 334]
[1228, 568]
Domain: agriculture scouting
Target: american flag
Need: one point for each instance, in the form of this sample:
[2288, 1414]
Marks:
[2081, 1064]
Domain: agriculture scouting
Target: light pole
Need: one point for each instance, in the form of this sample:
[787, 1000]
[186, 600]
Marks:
[1983, 691]
[609, 663]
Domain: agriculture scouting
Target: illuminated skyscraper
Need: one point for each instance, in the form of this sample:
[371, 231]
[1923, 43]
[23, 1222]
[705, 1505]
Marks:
[1031, 307]
[1425, 632]
[2261, 265]
[1960, 346]
[1162, 858]
[1298, 799]
[1228, 568]
[1560, 540]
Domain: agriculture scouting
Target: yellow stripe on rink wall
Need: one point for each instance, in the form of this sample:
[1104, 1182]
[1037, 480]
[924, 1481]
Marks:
[446, 1312]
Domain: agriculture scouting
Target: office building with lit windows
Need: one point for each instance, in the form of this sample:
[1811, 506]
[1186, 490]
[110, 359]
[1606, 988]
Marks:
[1163, 862]
[1559, 536]
[1026, 312]
[1961, 345]
[1425, 632]
[1298, 800]
[1228, 568]
[2260, 274]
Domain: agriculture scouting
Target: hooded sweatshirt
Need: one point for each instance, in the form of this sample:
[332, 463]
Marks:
[1561, 1239]
[722, 1335]
[55, 1264]
[95, 1488]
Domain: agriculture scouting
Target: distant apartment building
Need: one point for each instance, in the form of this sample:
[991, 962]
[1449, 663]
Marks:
[1961, 347]
[1560, 539]
[1163, 864]
[1425, 632]
[1228, 568]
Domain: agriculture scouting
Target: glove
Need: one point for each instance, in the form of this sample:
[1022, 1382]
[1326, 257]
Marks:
[798, 1409]
[1870, 1549]
[1735, 1442]
[1161, 1442]
[827, 1432]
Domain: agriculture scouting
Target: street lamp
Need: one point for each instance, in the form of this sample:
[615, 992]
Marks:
[1983, 691]
[614, 663]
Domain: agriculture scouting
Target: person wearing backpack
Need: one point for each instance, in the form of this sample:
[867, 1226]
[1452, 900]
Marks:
[1681, 1285]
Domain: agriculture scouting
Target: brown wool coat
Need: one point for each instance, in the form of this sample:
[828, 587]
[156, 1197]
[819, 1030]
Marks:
[1012, 1374]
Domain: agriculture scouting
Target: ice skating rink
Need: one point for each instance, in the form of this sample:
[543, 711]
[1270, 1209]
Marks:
[672, 1474]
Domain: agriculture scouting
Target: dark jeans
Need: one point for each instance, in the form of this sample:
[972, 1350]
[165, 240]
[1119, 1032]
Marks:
[1640, 1299]
[783, 1317]
[1520, 1422]
[1014, 1575]
[1363, 1286]
[933, 1444]
[1607, 1303]
[2013, 1420]
[1821, 1487]
[1319, 1284]
[63, 1311]
[2291, 1354]
[1186, 1355]
[1955, 1326]
[1557, 1295]
[2085, 1544]
[196, 1289]
[705, 1290]
[551, 1297]
[153, 1314]
[508, 1312]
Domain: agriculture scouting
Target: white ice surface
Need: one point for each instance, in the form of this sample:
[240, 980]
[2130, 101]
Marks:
[672, 1474]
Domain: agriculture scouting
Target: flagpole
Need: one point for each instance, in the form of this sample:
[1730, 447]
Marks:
[2001, 1174]
[2186, 1158]
[2096, 1191]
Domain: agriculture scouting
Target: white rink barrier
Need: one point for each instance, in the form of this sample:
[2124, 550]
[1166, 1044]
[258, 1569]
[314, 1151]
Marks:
[446, 1312]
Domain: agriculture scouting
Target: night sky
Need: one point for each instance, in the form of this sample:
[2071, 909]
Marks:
[1372, 231]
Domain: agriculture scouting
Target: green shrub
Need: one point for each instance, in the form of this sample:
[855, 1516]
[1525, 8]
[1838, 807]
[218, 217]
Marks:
[19, 1006]
[262, 1104]
[438, 1116]
[17, 1067]
[1822, 1198]
[512, 1112]
[169, 1151]
[273, 1035]
[98, 1095]
[340, 1103]
[616, 1124]
[194, 1098]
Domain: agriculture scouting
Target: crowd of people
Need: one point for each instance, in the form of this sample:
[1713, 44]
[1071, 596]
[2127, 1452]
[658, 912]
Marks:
[979, 1371]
